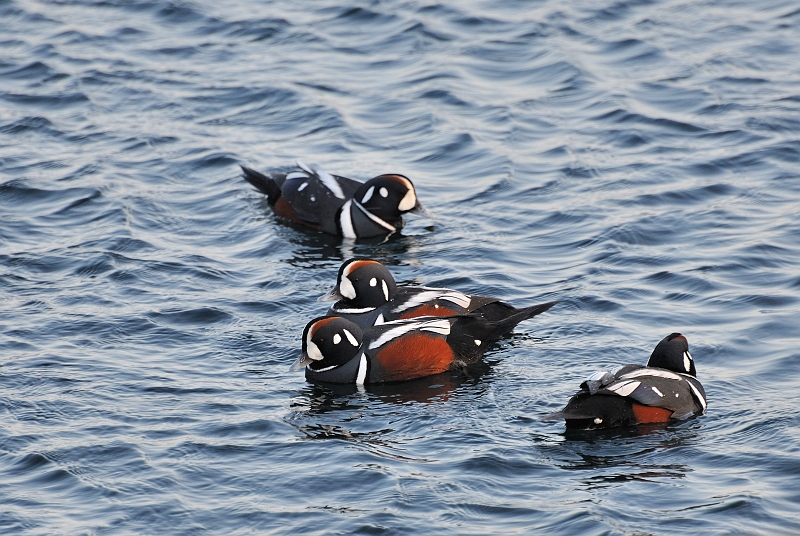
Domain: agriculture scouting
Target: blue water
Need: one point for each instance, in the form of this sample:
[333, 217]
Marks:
[636, 160]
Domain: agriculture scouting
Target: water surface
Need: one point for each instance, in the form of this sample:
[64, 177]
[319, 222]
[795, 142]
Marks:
[636, 160]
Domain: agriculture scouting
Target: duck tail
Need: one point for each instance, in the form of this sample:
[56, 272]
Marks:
[507, 324]
[263, 183]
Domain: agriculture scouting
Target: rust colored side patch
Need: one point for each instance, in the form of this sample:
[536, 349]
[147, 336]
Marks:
[427, 310]
[285, 210]
[649, 414]
[414, 356]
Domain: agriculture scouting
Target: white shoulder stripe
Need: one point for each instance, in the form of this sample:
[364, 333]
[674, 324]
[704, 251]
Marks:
[327, 179]
[647, 371]
[437, 325]
[462, 300]
[362, 370]
[624, 388]
[331, 183]
[346, 221]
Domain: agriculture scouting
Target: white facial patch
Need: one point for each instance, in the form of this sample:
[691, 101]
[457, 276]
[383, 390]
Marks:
[346, 288]
[368, 195]
[373, 282]
[598, 420]
[409, 201]
[337, 339]
[350, 337]
[384, 192]
[687, 361]
[385, 289]
[302, 187]
[313, 351]
[477, 342]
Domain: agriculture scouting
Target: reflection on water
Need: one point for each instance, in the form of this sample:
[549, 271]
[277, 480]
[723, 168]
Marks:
[626, 454]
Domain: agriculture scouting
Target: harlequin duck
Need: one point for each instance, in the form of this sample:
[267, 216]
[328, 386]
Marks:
[336, 350]
[665, 389]
[338, 205]
[368, 295]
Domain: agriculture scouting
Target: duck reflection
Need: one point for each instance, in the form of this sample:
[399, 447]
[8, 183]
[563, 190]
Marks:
[312, 248]
[609, 456]
[350, 403]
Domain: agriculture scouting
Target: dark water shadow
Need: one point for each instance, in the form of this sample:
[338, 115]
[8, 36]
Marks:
[332, 411]
[635, 453]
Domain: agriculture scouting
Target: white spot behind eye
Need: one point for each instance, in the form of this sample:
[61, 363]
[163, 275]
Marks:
[477, 342]
[598, 420]
[350, 337]
[337, 339]
[384, 192]
[312, 198]
[373, 282]
[385, 290]
[302, 187]
[368, 195]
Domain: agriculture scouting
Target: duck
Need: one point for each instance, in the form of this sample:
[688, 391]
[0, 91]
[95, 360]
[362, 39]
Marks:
[665, 390]
[366, 293]
[336, 350]
[337, 205]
